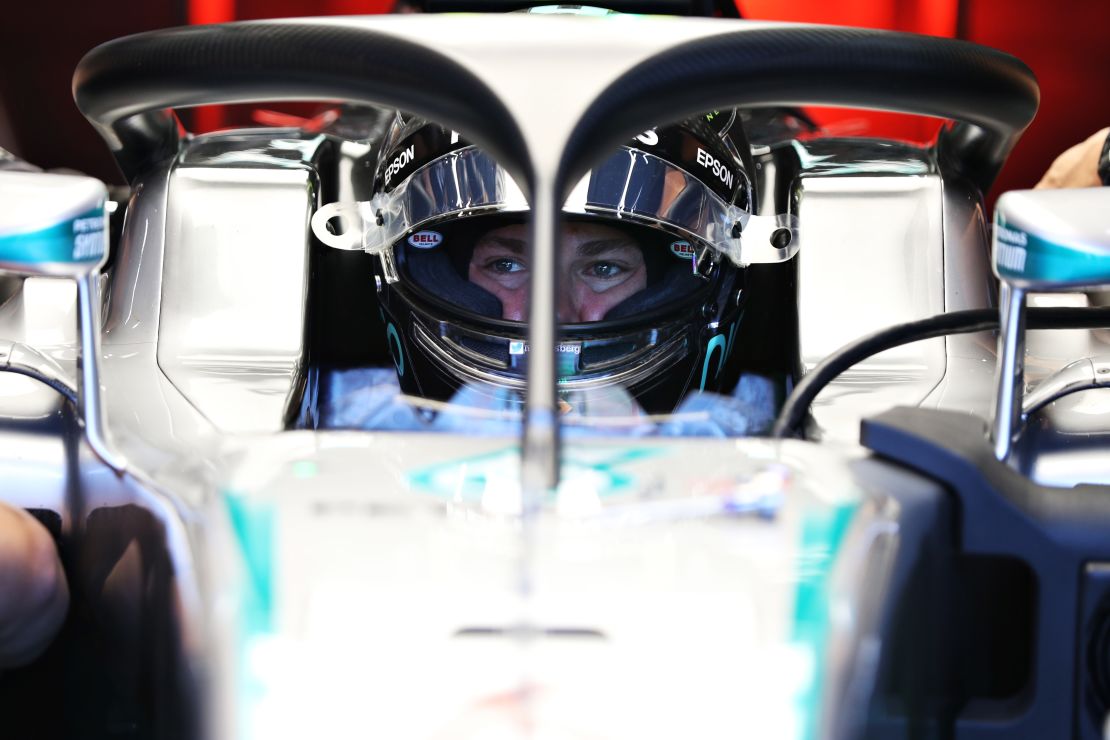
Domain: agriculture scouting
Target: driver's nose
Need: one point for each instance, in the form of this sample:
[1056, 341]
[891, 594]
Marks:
[565, 310]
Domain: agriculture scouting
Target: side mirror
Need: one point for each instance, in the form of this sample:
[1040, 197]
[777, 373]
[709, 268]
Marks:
[52, 225]
[1044, 241]
[56, 226]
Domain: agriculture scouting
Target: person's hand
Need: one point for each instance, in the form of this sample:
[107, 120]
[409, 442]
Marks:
[1078, 166]
[34, 597]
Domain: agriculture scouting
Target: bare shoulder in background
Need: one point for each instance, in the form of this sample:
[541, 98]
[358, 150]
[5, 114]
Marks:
[1084, 165]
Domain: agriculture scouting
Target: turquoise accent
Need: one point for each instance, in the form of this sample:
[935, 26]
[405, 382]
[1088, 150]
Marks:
[79, 240]
[566, 365]
[305, 469]
[822, 534]
[466, 479]
[253, 523]
[1041, 260]
[720, 342]
[399, 354]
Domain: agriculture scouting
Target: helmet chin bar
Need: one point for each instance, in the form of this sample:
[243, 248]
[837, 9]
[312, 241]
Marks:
[657, 349]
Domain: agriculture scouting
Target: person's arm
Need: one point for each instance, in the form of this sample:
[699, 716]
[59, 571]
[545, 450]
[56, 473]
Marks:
[34, 597]
[1084, 165]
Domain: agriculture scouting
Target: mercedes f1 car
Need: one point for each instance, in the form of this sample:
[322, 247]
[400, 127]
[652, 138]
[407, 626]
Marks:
[279, 518]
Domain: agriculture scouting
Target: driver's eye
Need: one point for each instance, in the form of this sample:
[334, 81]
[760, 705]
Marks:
[505, 265]
[605, 270]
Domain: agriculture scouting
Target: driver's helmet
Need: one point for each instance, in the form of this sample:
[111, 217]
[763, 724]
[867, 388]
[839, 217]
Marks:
[649, 289]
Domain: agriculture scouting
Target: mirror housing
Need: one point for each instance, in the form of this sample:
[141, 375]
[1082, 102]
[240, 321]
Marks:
[56, 226]
[1044, 241]
[52, 225]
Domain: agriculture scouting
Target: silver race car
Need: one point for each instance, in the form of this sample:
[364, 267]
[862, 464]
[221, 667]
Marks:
[524, 399]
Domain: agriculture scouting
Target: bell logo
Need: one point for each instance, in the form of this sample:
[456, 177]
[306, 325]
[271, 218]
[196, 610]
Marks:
[683, 250]
[426, 239]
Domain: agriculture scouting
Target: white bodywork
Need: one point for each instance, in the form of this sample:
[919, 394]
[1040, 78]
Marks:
[371, 584]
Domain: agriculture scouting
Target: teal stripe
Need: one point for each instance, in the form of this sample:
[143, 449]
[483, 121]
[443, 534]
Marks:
[822, 534]
[253, 523]
[468, 477]
[71, 241]
[1042, 260]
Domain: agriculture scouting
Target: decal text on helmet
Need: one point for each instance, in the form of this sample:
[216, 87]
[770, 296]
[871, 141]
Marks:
[399, 162]
[682, 249]
[649, 137]
[714, 165]
[426, 239]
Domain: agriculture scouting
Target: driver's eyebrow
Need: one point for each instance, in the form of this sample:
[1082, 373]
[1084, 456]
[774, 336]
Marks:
[516, 246]
[594, 247]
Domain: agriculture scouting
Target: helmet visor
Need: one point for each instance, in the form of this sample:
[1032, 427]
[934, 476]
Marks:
[630, 185]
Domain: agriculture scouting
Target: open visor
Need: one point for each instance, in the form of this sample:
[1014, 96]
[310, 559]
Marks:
[631, 184]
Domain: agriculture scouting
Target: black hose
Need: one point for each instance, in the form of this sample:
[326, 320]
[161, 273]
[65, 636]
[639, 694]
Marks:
[794, 411]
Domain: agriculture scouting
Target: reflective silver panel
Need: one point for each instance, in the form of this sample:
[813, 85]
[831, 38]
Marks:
[871, 256]
[233, 293]
[135, 280]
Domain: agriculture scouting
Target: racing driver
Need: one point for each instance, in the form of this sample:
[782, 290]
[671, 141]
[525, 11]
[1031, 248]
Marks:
[651, 295]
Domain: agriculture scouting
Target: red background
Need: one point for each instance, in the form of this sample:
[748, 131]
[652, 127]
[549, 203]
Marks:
[1066, 44]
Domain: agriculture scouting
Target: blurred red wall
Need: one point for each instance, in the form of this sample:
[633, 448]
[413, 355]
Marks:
[1066, 45]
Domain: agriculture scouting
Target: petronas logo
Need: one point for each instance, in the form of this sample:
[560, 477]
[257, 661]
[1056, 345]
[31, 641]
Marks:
[1011, 258]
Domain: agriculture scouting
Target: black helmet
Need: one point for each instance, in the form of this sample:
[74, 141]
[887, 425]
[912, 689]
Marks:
[658, 219]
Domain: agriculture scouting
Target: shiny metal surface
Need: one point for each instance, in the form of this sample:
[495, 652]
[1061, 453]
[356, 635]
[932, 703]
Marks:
[871, 254]
[90, 404]
[134, 286]
[1064, 443]
[539, 462]
[24, 360]
[1006, 417]
[276, 148]
[1079, 375]
[233, 287]
[968, 382]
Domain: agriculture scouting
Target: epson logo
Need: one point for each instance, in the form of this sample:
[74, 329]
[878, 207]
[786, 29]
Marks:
[426, 239]
[1010, 236]
[714, 165]
[399, 162]
[1011, 258]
